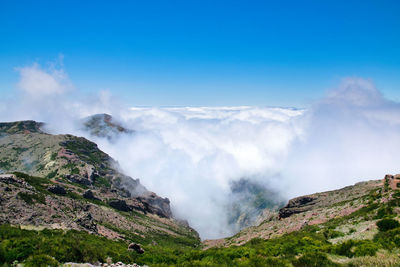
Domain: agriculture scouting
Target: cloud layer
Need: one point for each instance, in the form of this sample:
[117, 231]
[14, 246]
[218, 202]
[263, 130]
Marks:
[193, 154]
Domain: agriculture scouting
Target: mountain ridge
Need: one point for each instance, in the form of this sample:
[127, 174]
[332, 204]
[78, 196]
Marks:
[66, 182]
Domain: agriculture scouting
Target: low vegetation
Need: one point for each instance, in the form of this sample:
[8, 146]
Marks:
[308, 247]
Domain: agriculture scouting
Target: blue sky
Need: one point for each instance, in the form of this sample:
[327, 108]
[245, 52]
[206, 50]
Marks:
[205, 53]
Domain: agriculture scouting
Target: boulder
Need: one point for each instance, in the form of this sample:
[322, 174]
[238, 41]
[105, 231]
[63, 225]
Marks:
[297, 205]
[77, 179]
[89, 195]
[57, 189]
[156, 205]
[120, 204]
[136, 247]
[87, 222]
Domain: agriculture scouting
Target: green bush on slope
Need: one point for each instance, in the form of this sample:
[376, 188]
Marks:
[387, 224]
[63, 246]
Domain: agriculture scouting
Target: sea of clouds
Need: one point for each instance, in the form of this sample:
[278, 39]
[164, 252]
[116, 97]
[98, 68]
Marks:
[193, 154]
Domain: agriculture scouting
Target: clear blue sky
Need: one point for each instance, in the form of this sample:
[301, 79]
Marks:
[179, 53]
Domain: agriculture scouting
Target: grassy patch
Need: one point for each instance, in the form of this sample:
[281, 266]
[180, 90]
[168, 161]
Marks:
[38, 183]
[102, 182]
[52, 174]
[87, 151]
[32, 198]
[62, 246]
[53, 156]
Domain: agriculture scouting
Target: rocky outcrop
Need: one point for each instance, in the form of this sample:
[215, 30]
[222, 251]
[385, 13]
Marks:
[156, 205]
[26, 200]
[87, 222]
[57, 189]
[393, 181]
[8, 178]
[136, 247]
[74, 178]
[297, 205]
[88, 194]
[120, 204]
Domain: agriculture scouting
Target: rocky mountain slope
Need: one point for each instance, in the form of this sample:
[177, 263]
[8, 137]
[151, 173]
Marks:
[306, 210]
[357, 225]
[65, 182]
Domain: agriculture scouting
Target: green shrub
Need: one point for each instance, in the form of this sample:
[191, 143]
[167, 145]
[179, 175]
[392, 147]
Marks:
[75, 171]
[37, 182]
[330, 233]
[356, 248]
[387, 224]
[52, 174]
[77, 246]
[54, 156]
[365, 248]
[41, 260]
[315, 259]
[389, 239]
[344, 249]
[103, 182]
[384, 211]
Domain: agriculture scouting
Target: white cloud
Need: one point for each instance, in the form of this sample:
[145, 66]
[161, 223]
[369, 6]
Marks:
[38, 83]
[192, 154]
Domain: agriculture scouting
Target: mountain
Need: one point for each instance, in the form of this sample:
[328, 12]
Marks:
[305, 210]
[104, 125]
[64, 182]
[64, 200]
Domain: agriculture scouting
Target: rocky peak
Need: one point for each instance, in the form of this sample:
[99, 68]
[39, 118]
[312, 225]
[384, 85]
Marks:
[104, 125]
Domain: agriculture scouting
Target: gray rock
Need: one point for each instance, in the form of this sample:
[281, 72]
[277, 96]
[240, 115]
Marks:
[156, 205]
[77, 179]
[87, 222]
[8, 178]
[119, 204]
[136, 247]
[57, 189]
[89, 195]
[297, 205]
